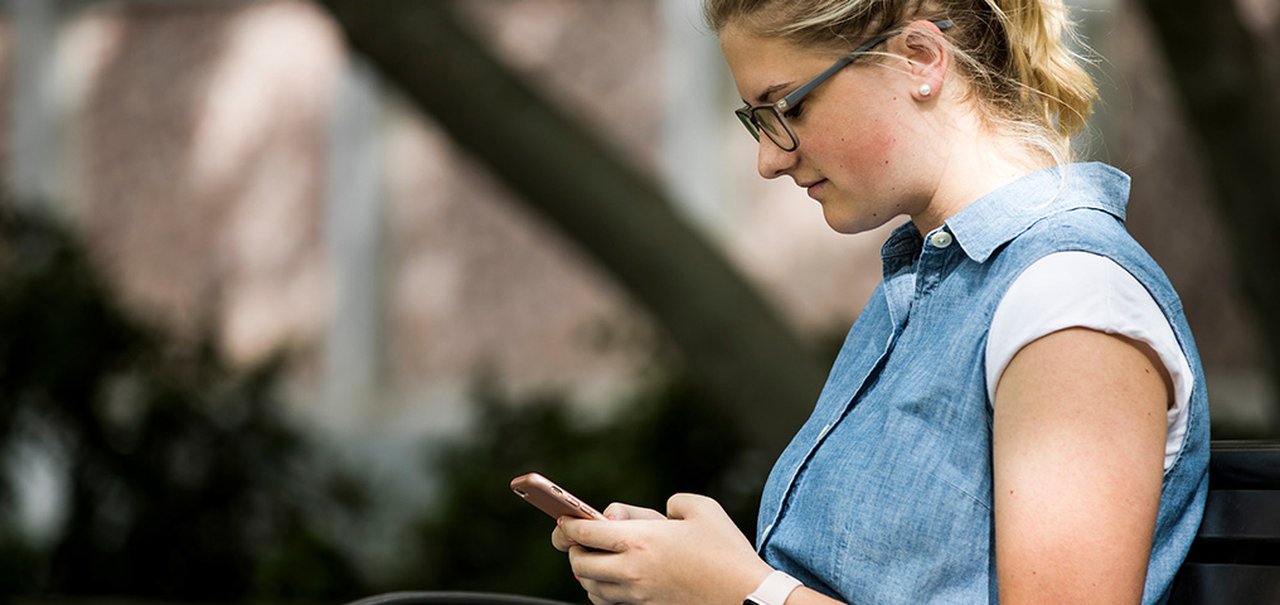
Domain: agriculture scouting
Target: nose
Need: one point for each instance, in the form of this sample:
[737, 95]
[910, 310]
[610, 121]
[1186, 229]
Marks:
[772, 161]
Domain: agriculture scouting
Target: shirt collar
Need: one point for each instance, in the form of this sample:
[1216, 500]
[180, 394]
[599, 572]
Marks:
[996, 218]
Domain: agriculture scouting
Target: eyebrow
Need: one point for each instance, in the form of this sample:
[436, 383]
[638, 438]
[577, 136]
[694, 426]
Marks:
[769, 91]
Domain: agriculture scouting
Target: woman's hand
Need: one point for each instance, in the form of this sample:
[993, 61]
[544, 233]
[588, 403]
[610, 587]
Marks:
[695, 554]
[615, 512]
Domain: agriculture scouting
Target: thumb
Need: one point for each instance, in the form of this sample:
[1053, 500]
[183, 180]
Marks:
[688, 506]
[626, 512]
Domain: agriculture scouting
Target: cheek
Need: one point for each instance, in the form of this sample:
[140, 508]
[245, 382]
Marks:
[865, 149]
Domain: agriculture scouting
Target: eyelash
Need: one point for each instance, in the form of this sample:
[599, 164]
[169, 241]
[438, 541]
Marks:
[795, 111]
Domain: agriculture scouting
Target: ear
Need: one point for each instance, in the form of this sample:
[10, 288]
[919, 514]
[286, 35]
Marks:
[927, 58]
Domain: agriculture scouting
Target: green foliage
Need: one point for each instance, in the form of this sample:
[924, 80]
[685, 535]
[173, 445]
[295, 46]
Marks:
[184, 482]
[667, 440]
[18, 563]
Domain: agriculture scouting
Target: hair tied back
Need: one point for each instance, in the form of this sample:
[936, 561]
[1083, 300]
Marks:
[1048, 72]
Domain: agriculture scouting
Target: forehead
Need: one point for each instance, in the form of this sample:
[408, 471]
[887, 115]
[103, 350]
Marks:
[761, 63]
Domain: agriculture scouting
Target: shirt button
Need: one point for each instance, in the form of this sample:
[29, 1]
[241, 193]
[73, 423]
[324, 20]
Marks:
[824, 430]
[941, 239]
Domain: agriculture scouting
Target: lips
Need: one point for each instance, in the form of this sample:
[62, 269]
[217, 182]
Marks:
[815, 188]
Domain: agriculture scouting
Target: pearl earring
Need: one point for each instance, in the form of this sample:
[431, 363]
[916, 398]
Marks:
[925, 90]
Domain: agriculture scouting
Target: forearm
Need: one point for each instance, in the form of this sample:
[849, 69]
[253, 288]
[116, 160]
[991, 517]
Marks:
[778, 588]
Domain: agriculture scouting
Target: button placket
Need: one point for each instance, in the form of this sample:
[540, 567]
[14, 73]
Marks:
[932, 260]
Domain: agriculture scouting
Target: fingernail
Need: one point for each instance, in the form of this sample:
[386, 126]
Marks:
[611, 517]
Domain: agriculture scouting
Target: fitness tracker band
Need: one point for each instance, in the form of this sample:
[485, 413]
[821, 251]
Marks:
[774, 590]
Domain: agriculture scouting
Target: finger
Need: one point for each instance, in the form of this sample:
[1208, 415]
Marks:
[602, 535]
[559, 540]
[595, 565]
[685, 506]
[604, 592]
[595, 600]
[623, 512]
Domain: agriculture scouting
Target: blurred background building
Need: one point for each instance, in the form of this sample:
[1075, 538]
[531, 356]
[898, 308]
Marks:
[235, 171]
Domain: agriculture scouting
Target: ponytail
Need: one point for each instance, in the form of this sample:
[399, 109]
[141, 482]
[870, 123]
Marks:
[1051, 80]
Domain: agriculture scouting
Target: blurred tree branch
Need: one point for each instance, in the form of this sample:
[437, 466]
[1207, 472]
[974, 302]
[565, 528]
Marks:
[1232, 98]
[737, 346]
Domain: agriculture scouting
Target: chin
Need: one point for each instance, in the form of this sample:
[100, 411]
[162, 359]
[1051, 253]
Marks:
[850, 224]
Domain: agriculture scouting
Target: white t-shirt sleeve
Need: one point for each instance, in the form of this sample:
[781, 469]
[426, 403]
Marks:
[1084, 290]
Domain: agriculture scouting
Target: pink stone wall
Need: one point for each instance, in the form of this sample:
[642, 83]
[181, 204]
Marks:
[197, 162]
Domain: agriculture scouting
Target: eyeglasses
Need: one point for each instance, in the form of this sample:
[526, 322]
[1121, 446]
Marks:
[770, 118]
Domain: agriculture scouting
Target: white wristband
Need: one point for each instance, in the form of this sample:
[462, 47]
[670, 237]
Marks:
[774, 590]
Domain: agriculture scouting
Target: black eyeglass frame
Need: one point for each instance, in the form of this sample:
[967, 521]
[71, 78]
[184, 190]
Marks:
[747, 114]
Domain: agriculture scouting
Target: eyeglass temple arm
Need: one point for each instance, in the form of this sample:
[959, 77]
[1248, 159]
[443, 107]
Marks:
[786, 102]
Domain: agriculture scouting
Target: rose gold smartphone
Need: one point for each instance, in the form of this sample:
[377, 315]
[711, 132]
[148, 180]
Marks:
[551, 498]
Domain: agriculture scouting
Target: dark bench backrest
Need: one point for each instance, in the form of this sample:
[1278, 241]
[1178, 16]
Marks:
[1235, 558]
[452, 598]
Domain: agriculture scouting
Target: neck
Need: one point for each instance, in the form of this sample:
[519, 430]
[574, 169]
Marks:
[976, 164]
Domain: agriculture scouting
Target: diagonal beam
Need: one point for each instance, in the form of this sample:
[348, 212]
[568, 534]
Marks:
[732, 341]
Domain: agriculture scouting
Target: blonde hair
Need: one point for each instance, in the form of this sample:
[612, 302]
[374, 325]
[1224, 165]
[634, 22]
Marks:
[1013, 53]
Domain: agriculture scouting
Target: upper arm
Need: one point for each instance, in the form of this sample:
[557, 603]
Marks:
[1078, 446]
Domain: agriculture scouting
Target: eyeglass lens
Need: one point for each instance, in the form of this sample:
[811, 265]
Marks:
[745, 118]
[770, 121]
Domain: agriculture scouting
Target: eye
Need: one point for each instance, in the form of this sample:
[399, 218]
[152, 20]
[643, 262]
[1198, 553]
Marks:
[795, 111]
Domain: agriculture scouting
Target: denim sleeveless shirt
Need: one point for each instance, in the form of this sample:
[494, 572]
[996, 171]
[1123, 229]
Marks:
[885, 494]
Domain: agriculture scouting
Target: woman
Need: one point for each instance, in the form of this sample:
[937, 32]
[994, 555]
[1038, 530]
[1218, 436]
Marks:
[1019, 412]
